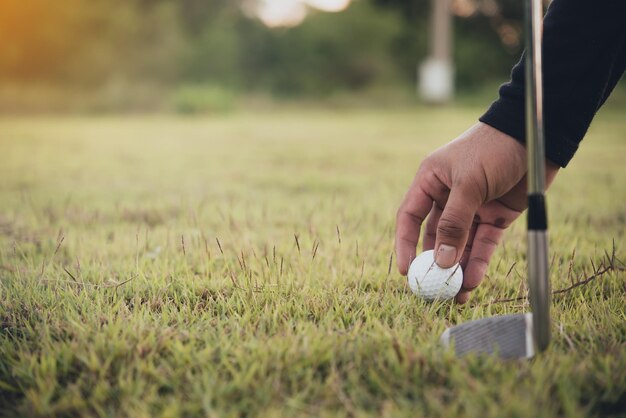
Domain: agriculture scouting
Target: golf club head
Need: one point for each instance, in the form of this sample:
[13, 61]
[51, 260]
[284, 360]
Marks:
[507, 336]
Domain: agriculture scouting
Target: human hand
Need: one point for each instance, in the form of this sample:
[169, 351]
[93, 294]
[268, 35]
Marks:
[471, 189]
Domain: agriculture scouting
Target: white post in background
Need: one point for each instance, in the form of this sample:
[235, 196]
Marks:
[436, 74]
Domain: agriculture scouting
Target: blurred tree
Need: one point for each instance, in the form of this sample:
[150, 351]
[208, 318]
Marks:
[195, 14]
[486, 38]
[88, 43]
[413, 10]
[329, 51]
[212, 43]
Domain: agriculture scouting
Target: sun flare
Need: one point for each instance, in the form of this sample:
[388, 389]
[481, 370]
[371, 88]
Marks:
[275, 13]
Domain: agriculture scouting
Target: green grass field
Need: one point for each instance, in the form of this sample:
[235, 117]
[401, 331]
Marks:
[239, 266]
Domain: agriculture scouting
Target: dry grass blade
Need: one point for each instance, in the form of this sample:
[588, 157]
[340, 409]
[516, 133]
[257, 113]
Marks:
[596, 274]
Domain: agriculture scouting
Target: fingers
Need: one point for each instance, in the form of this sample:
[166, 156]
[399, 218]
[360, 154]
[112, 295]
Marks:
[410, 217]
[485, 242]
[468, 246]
[454, 225]
[430, 232]
[495, 217]
[463, 296]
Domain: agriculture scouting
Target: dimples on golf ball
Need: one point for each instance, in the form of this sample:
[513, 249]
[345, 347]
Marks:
[430, 281]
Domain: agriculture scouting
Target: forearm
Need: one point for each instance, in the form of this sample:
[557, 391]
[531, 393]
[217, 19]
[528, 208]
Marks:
[584, 56]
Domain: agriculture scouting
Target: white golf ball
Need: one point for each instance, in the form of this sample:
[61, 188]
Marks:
[430, 281]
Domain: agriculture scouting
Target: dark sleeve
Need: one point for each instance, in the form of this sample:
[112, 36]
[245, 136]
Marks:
[584, 56]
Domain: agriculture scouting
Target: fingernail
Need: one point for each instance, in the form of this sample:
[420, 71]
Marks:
[446, 255]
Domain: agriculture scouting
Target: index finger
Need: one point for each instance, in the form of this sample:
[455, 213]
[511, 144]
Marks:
[411, 215]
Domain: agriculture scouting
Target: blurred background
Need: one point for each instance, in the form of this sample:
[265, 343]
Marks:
[204, 56]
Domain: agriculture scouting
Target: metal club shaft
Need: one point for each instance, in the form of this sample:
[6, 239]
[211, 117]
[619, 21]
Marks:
[538, 277]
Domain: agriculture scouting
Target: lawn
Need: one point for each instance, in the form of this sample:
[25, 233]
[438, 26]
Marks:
[239, 265]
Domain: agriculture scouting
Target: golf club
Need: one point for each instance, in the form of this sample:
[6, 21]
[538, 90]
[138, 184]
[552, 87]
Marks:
[521, 335]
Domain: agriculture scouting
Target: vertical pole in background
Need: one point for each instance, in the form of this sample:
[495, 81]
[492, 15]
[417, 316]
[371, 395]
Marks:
[436, 74]
[538, 277]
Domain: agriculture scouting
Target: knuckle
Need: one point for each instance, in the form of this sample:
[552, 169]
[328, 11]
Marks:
[488, 242]
[451, 226]
[427, 162]
[463, 297]
[430, 172]
[472, 188]
[399, 212]
[408, 214]
[470, 286]
[402, 211]
[482, 262]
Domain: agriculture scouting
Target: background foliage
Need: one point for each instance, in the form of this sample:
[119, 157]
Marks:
[119, 47]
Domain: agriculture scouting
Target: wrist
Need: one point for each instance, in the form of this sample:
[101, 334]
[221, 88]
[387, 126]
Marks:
[507, 153]
[552, 170]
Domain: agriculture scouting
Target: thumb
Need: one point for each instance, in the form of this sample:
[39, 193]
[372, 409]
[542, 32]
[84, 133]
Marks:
[454, 225]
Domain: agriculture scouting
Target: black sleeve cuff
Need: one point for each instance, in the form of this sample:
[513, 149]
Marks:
[508, 116]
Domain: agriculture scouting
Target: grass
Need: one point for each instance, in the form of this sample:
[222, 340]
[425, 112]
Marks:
[239, 266]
